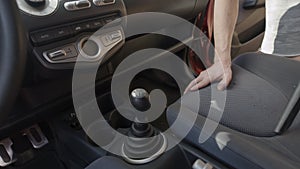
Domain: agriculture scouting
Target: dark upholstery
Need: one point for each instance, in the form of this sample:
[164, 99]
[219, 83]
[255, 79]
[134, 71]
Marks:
[256, 99]
[108, 163]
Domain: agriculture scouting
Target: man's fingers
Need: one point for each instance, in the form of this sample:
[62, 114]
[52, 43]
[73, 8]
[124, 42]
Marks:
[211, 75]
[190, 86]
[194, 82]
[201, 84]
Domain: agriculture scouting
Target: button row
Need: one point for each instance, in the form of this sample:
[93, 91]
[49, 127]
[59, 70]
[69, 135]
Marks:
[43, 37]
[84, 4]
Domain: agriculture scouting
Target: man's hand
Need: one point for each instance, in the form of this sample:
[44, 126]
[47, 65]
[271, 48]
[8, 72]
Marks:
[217, 72]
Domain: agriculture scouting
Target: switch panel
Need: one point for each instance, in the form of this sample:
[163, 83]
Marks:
[91, 48]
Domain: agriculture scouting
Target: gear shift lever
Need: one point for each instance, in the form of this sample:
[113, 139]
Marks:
[140, 99]
[141, 147]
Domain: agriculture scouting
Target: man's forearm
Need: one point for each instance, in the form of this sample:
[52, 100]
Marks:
[225, 16]
[226, 13]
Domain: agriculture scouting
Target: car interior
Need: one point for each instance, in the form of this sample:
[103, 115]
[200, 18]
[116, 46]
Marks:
[40, 128]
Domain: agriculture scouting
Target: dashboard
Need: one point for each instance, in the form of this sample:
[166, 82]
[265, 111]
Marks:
[57, 32]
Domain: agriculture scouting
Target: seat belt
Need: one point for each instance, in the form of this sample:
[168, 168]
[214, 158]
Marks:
[290, 112]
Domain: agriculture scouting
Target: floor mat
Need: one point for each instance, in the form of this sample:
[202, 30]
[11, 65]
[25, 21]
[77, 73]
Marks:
[45, 160]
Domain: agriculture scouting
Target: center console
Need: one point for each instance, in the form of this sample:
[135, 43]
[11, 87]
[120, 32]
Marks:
[60, 30]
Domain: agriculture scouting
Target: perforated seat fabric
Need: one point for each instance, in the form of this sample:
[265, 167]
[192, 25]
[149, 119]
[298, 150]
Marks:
[249, 106]
[258, 94]
[260, 90]
[280, 72]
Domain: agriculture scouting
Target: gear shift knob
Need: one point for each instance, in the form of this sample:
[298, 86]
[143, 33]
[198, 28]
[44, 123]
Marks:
[140, 99]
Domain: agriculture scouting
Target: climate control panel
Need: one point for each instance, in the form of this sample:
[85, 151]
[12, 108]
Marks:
[59, 31]
[90, 40]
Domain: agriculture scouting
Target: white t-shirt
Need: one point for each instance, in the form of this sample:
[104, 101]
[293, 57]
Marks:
[282, 36]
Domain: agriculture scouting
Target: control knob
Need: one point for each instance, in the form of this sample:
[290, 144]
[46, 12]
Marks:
[36, 3]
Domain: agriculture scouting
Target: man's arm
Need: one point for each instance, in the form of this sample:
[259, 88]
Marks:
[225, 17]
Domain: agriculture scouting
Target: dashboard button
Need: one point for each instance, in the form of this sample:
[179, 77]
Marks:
[70, 6]
[103, 2]
[77, 29]
[96, 24]
[42, 37]
[83, 27]
[82, 4]
[57, 54]
[116, 36]
[77, 5]
[62, 32]
[111, 38]
[61, 54]
[86, 26]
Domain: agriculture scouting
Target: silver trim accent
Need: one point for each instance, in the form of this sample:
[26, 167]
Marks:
[101, 3]
[139, 93]
[86, 56]
[199, 164]
[57, 53]
[34, 142]
[7, 143]
[72, 5]
[149, 159]
[50, 7]
[69, 60]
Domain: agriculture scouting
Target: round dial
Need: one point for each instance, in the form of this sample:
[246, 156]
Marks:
[38, 7]
[36, 3]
